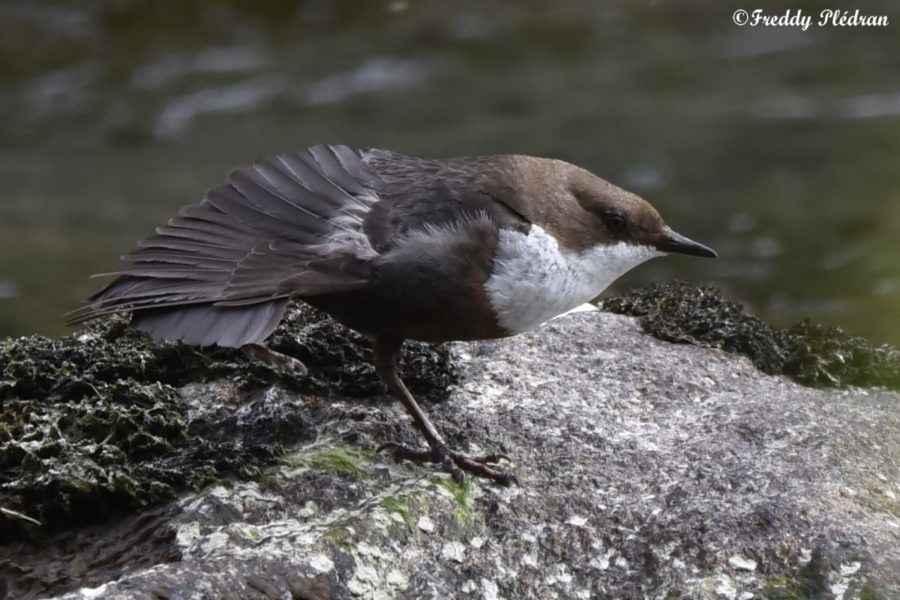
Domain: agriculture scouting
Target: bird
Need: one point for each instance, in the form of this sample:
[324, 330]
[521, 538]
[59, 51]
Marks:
[393, 246]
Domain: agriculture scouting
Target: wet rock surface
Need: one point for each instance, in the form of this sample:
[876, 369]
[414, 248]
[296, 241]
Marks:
[646, 468]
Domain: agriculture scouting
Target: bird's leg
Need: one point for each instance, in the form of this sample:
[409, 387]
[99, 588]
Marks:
[285, 363]
[387, 352]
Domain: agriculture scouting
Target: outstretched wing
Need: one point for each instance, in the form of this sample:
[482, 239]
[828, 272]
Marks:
[307, 224]
[221, 271]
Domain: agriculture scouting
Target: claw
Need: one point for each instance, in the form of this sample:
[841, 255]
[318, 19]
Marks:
[454, 463]
[285, 363]
[491, 458]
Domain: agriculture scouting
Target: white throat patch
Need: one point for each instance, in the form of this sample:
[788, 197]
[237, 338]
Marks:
[533, 280]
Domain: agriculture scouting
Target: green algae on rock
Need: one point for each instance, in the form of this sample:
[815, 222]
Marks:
[100, 423]
[92, 427]
[814, 355]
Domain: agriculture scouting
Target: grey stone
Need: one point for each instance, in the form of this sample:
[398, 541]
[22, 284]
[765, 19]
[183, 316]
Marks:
[646, 469]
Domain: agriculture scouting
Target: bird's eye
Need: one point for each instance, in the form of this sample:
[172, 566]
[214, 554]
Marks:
[615, 222]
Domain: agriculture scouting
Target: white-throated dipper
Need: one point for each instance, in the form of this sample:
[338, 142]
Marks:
[393, 246]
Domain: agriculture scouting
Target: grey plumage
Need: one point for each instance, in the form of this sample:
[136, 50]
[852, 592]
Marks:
[221, 271]
[206, 325]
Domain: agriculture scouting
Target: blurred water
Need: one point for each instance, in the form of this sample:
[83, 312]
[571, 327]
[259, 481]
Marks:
[778, 147]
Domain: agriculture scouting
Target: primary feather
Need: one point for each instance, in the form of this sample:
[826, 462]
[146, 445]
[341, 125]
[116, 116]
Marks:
[220, 272]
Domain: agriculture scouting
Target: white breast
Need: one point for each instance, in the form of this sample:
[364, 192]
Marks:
[533, 280]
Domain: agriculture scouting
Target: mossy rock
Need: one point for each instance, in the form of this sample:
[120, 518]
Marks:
[813, 355]
[93, 425]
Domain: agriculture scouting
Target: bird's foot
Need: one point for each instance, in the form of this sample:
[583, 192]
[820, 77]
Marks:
[454, 462]
[283, 362]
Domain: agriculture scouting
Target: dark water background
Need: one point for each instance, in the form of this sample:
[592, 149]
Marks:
[778, 147]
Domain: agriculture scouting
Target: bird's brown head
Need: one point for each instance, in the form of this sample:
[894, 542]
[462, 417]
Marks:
[614, 215]
[583, 211]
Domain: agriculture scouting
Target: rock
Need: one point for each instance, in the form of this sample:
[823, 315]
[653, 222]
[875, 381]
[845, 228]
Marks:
[646, 469]
[744, 564]
[811, 354]
[105, 422]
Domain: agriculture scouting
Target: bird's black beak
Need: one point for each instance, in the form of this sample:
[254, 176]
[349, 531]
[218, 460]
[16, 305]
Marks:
[678, 244]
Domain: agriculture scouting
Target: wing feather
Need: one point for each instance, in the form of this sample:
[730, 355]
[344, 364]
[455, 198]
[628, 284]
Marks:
[221, 271]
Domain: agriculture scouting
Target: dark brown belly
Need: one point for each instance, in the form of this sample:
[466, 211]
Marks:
[423, 293]
[425, 315]
[428, 287]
